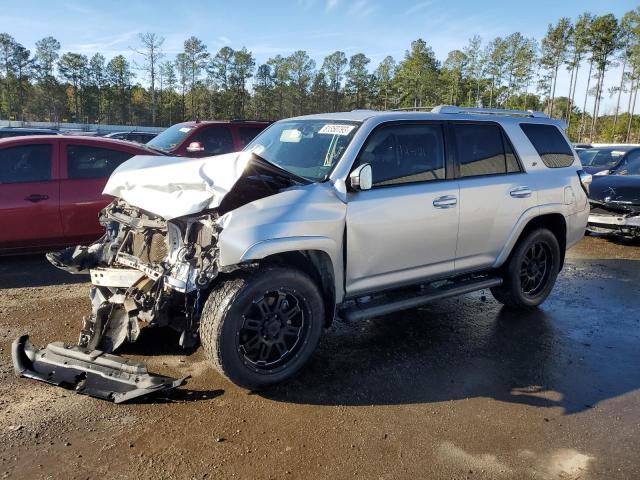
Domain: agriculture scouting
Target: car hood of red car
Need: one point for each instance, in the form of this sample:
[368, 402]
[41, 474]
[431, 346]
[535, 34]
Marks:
[172, 187]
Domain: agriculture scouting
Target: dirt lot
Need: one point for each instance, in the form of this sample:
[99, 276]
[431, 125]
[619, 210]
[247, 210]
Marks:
[460, 389]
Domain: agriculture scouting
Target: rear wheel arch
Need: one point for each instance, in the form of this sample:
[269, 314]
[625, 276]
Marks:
[555, 222]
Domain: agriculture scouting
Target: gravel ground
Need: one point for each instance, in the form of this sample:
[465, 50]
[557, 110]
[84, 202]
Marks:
[459, 389]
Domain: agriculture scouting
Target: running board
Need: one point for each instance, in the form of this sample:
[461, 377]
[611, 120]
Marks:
[93, 373]
[376, 308]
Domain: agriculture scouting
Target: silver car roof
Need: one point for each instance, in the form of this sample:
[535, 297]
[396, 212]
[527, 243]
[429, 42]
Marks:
[439, 113]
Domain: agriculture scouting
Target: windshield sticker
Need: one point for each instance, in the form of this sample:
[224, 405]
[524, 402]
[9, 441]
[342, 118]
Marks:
[617, 153]
[291, 136]
[336, 129]
[186, 129]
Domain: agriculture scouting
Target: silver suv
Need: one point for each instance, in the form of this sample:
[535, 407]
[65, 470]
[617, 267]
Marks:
[353, 214]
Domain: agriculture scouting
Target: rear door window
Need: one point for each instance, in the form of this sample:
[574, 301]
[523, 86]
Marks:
[215, 140]
[405, 153]
[84, 161]
[482, 149]
[550, 144]
[26, 163]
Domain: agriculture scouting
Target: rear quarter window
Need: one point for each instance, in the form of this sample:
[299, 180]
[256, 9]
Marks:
[85, 161]
[550, 144]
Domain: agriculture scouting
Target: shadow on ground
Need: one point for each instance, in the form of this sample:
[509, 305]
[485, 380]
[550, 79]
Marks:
[34, 271]
[579, 349]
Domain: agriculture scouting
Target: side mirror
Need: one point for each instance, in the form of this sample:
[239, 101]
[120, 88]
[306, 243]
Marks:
[362, 178]
[195, 147]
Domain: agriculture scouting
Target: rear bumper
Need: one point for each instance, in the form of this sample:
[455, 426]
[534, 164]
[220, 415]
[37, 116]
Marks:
[92, 373]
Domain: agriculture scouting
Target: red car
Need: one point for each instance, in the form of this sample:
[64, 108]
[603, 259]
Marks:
[204, 139]
[51, 188]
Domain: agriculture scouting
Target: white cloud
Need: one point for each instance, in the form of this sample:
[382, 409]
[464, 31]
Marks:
[331, 4]
[361, 9]
[417, 7]
[106, 45]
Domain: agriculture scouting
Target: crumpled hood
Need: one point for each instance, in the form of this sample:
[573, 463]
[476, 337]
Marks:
[616, 188]
[176, 186]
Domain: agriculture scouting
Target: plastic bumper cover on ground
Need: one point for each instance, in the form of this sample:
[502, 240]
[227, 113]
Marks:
[92, 373]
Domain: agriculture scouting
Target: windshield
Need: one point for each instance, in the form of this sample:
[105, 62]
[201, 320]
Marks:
[171, 137]
[601, 157]
[306, 148]
[630, 167]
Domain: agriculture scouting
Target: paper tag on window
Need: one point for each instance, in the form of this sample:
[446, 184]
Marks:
[336, 129]
[186, 129]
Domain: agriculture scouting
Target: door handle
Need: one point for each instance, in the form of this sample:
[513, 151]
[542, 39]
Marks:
[520, 192]
[36, 197]
[447, 201]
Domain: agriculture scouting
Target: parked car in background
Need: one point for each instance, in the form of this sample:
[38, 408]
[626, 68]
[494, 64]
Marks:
[138, 137]
[615, 200]
[51, 188]
[601, 159]
[7, 132]
[204, 139]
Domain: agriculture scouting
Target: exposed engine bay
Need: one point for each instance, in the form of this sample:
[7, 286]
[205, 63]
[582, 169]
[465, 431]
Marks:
[144, 270]
[148, 270]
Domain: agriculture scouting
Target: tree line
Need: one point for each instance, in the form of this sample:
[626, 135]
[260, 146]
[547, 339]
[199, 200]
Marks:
[506, 72]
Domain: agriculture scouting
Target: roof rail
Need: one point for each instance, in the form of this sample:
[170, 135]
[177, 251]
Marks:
[450, 109]
[411, 109]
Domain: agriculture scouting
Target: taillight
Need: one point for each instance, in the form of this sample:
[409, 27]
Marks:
[585, 180]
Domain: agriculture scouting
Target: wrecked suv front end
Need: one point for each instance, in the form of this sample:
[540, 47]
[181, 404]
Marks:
[144, 270]
[178, 233]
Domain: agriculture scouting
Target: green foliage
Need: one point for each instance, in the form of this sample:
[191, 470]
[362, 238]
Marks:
[417, 76]
[333, 67]
[502, 73]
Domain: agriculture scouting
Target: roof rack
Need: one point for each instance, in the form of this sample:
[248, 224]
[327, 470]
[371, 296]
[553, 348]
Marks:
[411, 109]
[449, 109]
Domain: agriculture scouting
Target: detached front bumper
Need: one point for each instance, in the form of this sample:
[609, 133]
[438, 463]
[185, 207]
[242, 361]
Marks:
[92, 373]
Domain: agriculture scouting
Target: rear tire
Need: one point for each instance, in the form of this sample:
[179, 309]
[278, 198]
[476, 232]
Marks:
[260, 329]
[531, 271]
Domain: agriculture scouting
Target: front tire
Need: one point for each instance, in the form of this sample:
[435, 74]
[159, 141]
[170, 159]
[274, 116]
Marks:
[260, 329]
[531, 271]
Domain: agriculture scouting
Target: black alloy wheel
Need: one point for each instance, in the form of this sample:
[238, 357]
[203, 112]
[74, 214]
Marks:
[274, 328]
[260, 328]
[530, 273]
[536, 267]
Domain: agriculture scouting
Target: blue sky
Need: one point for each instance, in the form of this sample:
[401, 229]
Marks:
[374, 27]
